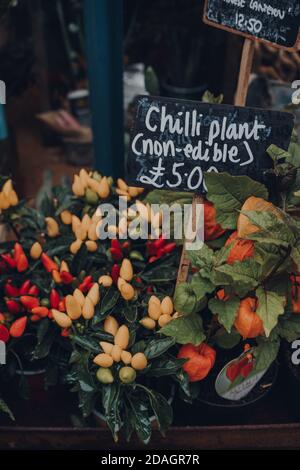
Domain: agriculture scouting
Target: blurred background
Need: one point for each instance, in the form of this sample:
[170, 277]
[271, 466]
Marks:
[73, 67]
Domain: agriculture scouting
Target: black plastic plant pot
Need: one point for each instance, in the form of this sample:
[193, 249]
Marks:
[290, 355]
[236, 411]
[211, 409]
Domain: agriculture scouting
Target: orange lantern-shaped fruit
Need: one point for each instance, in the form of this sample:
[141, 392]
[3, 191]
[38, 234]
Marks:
[247, 322]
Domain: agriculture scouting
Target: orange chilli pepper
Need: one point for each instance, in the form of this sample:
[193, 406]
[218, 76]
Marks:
[18, 327]
[29, 302]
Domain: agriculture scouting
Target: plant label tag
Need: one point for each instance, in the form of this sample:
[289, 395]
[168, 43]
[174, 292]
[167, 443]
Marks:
[237, 378]
[272, 21]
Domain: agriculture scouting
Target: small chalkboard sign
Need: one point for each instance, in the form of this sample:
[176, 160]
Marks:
[174, 142]
[274, 21]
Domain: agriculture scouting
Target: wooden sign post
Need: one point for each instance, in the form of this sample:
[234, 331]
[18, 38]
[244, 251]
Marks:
[174, 142]
[245, 72]
[184, 265]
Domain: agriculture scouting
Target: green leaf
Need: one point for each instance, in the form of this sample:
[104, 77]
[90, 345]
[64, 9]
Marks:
[201, 286]
[295, 255]
[294, 159]
[289, 327]
[108, 302]
[151, 82]
[86, 402]
[42, 329]
[43, 347]
[139, 417]
[272, 229]
[157, 347]
[240, 276]
[111, 406]
[165, 366]
[185, 330]
[185, 299]
[228, 193]
[202, 259]
[162, 410]
[86, 343]
[267, 255]
[209, 97]
[159, 196]
[130, 312]
[277, 153]
[5, 409]
[79, 260]
[226, 340]
[226, 311]
[265, 353]
[270, 307]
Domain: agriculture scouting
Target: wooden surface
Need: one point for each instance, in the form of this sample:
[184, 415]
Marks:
[274, 422]
[196, 438]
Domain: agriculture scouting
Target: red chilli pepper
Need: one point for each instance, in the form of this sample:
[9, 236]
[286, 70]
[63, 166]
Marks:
[18, 327]
[65, 333]
[10, 290]
[13, 306]
[18, 251]
[22, 264]
[66, 277]
[54, 299]
[160, 252]
[159, 243]
[115, 273]
[4, 334]
[116, 244]
[126, 245]
[24, 289]
[35, 318]
[29, 302]
[116, 254]
[9, 261]
[20, 258]
[48, 263]
[152, 259]
[62, 305]
[40, 311]
[169, 247]
[85, 284]
[34, 291]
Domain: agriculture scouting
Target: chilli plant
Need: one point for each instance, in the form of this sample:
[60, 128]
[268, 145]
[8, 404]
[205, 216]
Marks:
[245, 283]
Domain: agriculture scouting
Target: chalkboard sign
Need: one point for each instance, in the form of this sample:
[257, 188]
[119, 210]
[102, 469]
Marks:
[173, 142]
[275, 21]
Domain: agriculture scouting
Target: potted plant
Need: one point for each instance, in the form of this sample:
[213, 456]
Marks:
[241, 290]
[114, 297]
